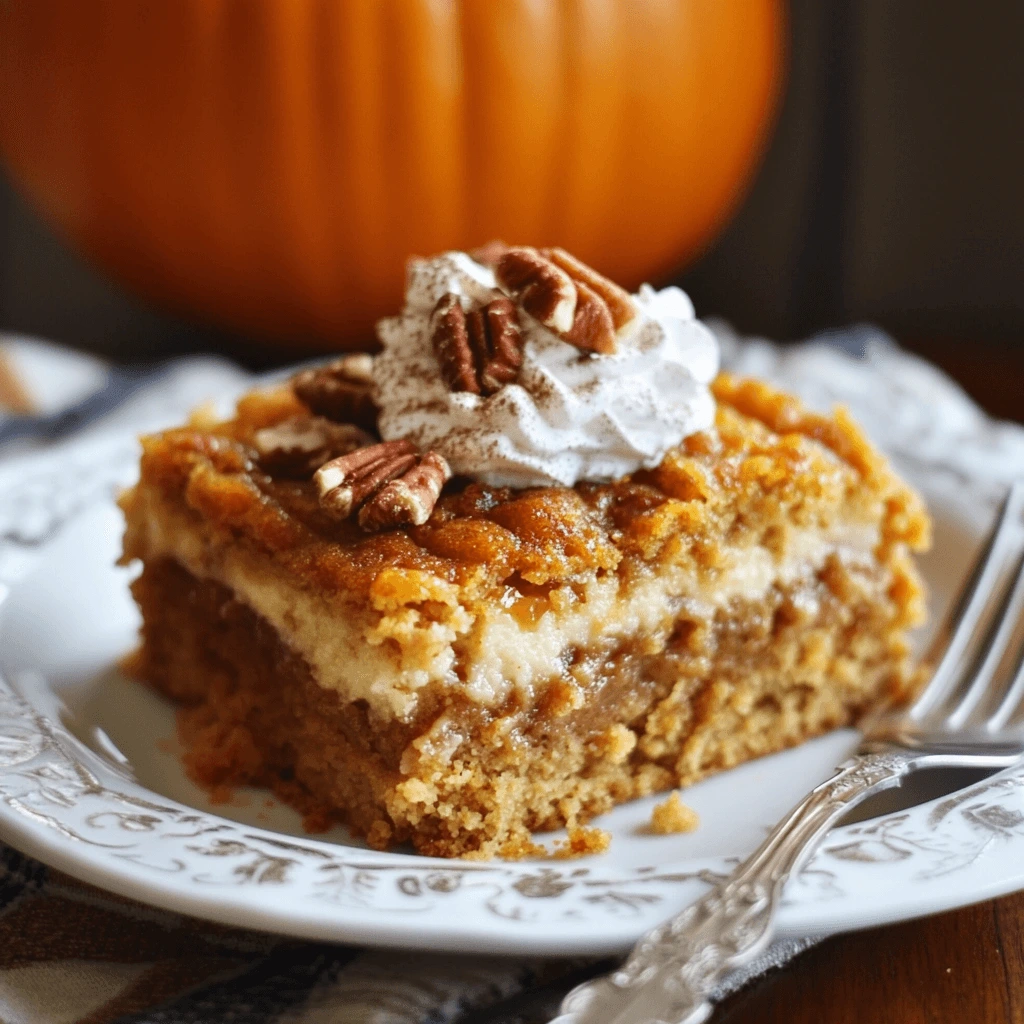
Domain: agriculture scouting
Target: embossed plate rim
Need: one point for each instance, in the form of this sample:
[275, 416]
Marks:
[943, 854]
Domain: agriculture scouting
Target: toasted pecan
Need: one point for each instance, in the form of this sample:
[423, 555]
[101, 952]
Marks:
[389, 483]
[298, 445]
[345, 483]
[479, 351]
[340, 390]
[571, 299]
[543, 289]
[619, 302]
[409, 499]
[449, 335]
[592, 328]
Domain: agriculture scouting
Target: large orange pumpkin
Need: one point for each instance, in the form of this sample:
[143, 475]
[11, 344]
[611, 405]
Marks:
[270, 164]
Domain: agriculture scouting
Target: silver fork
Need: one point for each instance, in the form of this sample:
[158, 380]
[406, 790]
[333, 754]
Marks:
[970, 715]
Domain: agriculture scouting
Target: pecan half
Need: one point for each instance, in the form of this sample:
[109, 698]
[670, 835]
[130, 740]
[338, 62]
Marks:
[344, 483]
[619, 302]
[340, 390]
[543, 289]
[295, 447]
[593, 329]
[479, 351]
[571, 299]
[408, 500]
[497, 344]
[450, 338]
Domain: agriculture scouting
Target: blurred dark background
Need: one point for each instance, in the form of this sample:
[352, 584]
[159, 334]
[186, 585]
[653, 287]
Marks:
[891, 192]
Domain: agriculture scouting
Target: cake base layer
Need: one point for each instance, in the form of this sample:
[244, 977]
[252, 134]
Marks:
[461, 780]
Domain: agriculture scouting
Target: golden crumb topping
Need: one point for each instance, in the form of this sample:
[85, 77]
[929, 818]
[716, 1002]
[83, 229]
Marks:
[767, 461]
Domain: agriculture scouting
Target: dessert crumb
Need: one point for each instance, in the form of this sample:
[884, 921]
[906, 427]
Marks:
[518, 847]
[582, 842]
[672, 816]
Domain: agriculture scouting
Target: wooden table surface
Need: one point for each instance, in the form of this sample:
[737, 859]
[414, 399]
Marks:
[964, 967]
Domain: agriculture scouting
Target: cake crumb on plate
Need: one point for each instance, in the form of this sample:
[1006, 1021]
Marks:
[582, 842]
[672, 816]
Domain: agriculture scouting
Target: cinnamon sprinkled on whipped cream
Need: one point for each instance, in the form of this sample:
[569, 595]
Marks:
[569, 415]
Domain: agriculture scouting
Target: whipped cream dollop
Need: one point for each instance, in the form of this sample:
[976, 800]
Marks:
[569, 415]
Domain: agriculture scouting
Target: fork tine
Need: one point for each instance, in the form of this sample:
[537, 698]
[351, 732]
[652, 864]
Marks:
[990, 676]
[950, 647]
[1009, 708]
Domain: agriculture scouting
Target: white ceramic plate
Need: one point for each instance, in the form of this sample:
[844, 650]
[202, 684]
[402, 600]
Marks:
[90, 781]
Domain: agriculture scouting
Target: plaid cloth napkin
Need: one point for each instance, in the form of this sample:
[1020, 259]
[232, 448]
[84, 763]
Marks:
[71, 953]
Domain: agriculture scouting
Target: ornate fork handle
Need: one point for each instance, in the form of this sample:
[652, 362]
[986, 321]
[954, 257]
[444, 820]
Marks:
[673, 970]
